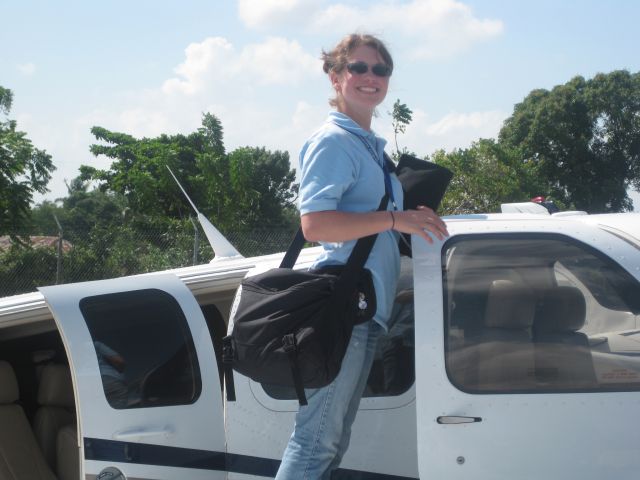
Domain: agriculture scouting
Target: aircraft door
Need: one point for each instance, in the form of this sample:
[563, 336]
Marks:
[147, 387]
[527, 356]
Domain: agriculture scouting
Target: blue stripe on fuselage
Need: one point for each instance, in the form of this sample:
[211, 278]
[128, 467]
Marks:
[164, 456]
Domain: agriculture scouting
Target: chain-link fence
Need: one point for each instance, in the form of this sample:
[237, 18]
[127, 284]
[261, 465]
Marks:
[109, 253]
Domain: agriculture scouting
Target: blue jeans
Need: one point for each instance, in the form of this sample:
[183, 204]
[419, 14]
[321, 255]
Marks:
[323, 427]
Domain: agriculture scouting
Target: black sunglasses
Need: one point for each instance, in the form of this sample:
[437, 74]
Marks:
[360, 68]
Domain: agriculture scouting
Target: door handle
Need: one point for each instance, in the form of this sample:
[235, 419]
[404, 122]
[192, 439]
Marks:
[137, 433]
[457, 420]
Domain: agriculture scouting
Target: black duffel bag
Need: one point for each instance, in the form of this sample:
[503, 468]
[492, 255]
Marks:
[292, 327]
[423, 183]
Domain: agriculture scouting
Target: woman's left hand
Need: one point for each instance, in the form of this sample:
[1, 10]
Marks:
[419, 222]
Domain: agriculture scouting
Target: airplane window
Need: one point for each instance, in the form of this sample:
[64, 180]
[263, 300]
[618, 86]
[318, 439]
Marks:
[539, 313]
[144, 349]
[393, 369]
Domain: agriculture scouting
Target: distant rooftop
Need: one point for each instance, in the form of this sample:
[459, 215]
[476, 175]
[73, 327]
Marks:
[36, 241]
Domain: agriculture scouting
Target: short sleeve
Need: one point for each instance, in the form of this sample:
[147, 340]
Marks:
[328, 171]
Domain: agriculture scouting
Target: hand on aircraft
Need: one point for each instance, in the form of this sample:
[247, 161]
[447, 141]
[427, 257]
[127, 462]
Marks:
[420, 221]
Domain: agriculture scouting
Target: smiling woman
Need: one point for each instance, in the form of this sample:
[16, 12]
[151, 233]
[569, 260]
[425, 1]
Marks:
[345, 173]
[348, 67]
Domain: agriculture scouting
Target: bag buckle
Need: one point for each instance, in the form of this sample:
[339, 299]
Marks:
[362, 301]
[289, 343]
[227, 350]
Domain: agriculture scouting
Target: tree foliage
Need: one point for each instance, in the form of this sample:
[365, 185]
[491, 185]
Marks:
[585, 138]
[6, 99]
[485, 175]
[138, 172]
[24, 170]
[261, 182]
[248, 187]
[401, 117]
[23, 269]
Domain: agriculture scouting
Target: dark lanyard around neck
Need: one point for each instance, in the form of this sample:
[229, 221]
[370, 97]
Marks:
[385, 168]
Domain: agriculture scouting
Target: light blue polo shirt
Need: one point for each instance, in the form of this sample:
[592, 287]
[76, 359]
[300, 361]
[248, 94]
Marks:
[340, 173]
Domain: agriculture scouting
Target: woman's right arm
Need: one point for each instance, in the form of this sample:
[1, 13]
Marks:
[337, 226]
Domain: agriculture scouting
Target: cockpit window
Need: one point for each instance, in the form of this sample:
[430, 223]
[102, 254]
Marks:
[144, 349]
[538, 313]
[609, 286]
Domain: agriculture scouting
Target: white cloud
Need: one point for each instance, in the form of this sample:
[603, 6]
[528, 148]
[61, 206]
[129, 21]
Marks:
[429, 28]
[477, 121]
[144, 122]
[307, 117]
[422, 28]
[262, 14]
[284, 129]
[215, 61]
[278, 61]
[212, 59]
[27, 69]
[298, 126]
[454, 130]
[25, 121]
[147, 113]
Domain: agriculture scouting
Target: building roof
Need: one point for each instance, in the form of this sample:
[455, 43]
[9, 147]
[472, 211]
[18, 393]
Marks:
[36, 241]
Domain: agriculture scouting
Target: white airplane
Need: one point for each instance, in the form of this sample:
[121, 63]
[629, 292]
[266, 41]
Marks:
[514, 354]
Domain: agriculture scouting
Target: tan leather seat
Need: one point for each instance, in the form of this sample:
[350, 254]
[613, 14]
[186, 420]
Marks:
[20, 456]
[501, 356]
[563, 355]
[68, 454]
[57, 404]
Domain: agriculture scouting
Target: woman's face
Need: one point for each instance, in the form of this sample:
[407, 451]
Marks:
[360, 93]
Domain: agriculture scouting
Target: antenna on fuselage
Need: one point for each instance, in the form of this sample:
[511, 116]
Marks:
[221, 246]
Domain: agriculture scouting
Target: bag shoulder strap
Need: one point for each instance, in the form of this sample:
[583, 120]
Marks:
[358, 256]
[289, 259]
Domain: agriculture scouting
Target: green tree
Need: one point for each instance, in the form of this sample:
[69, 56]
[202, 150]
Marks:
[139, 173]
[24, 170]
[6, 99]
[585, 138]
[42, 218]
[80, 211]
[485, 175]
[263, 186]
[23, 269]
[248, 187]
[401, 116]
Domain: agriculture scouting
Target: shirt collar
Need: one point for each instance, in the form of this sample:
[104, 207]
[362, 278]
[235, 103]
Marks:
[344, 121]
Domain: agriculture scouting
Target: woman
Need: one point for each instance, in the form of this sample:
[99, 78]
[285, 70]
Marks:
[343, 181]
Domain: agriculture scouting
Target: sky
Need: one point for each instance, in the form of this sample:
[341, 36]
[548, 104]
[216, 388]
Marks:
[150, 67]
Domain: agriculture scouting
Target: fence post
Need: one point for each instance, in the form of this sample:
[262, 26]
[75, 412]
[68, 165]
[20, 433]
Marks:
[59, 255]
[196, 240]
